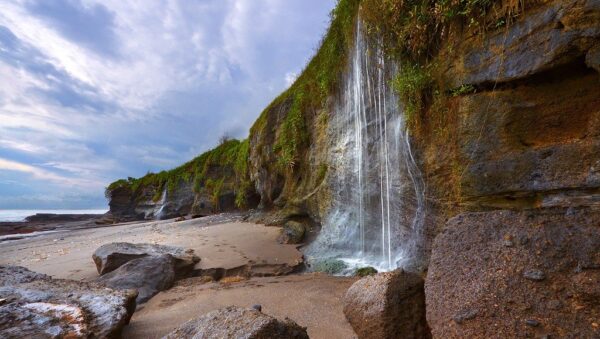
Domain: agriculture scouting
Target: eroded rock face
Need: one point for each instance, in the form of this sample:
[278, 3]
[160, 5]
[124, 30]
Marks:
[148, 275]
[236, 322]
[387, 305]
[516, 274]
[111, 256]
[551, 35]
[37, 306]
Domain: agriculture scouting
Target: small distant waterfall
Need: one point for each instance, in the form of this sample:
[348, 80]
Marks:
[377, 211]
[161, 210]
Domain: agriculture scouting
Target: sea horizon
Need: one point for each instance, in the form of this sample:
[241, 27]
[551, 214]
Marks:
[16, 215]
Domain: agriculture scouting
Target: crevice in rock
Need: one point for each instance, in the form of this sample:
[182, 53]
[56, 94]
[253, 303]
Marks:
[577, 68]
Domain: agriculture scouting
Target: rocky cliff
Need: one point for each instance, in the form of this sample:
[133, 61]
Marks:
[472, 123]
[214, 182]
[500, 100]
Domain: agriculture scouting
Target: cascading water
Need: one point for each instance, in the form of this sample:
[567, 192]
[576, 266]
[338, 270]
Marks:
[161, 210]
[377, 211]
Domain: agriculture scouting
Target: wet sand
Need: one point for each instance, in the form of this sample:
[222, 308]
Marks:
[312, 300]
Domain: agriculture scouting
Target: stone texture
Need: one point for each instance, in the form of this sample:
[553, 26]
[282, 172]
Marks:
[387, 305]
[236, 322]
[37, 306]
[292, 232]
[148, 275]
[547, 37]
[111, 256]
[478, 288]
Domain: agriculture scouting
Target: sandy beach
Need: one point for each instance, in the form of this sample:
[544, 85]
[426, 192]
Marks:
[222, 242]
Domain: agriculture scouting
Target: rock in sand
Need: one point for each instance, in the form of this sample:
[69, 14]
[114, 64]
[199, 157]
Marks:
[387, 305]
[111, 256]
[237, 322]
[148, 275]
[37, 306]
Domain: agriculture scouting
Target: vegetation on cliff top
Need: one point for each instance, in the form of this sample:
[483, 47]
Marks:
[413, 31]
[310, 91]
[230, 159]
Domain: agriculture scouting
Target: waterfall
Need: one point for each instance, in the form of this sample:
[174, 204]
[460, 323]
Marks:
[161, 210]
[377, 194]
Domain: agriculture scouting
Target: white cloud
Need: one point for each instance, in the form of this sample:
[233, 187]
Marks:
[179, 74]
[42, 174]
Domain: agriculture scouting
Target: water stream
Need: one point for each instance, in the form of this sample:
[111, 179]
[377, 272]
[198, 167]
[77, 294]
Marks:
[377, 194]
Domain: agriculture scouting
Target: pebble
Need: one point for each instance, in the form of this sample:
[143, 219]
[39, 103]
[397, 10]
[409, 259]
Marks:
[465, 315]
[257, 307]
[532, 322]
[508, 243]
[535, 275]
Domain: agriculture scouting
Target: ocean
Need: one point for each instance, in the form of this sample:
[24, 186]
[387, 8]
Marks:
[20, 215]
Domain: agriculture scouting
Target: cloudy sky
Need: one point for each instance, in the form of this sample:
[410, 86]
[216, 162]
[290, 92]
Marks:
[95, 90]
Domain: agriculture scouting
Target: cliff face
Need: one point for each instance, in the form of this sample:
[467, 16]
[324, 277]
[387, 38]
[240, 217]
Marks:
[525, 135]
[214, 182]
[508, 118]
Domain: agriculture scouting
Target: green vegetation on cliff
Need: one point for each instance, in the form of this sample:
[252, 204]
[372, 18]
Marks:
[311, 90]
[227, 164]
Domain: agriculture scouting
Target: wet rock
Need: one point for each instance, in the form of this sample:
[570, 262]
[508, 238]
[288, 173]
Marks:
[533, 274]
[38, 306]
[387, 305]
[329, 266]
[365, 271]
[111, 256]
[236, 322]
[292, 233]
[535, 280]
[148, 275]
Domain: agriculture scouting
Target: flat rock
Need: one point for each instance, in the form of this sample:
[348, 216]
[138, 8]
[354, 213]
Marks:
[387, 305]
[546, 284]
[111, 256]
[237, 322]
[148, 275]
[37, 306]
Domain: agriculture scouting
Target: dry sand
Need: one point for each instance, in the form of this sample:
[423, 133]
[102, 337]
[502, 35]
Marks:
[312, 300]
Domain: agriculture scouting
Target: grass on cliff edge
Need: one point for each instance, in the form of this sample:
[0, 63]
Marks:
[411, 32]
[230, 157]
[310, 91]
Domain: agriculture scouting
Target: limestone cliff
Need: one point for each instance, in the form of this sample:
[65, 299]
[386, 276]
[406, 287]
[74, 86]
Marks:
[214, 182]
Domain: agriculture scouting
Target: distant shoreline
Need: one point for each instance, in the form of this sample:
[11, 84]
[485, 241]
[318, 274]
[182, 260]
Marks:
[21, 215]
[43, 222]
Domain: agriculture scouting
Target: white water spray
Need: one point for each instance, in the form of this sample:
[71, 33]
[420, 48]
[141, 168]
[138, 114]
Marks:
[377, 211]
[163, 199]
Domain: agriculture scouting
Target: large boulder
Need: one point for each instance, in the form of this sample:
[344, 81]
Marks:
[36, 306]
[387, 305]
[111, 256]
[236, 322]
[148, 275]
[507, 274]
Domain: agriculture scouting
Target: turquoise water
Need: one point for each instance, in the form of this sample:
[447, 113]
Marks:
[20, 215]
